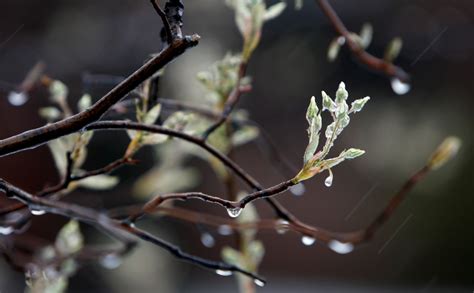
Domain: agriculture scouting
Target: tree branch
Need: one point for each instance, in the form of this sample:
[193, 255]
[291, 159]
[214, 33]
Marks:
[117, 229]
[166, 24]
[35, 137]
[371, 61]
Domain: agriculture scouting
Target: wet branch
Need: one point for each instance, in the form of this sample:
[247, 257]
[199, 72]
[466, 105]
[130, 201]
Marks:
[35, 137]
[371, 61]
[120, 231]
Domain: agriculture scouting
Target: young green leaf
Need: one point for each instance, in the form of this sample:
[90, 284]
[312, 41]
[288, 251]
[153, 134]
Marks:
[84, 102]
[152, 115]
[274, 11]
[313, 117]
[99, 182]
[69, 239]
[358, 105]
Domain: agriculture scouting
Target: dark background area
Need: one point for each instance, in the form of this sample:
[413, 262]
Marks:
[430, 237]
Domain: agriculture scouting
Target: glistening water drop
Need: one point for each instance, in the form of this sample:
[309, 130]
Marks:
[234, 212]
[340, 247]
[400, 87]
[308, 240]
[224, 273]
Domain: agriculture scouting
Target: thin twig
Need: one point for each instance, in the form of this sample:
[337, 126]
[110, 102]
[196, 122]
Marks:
[116, 228]
[69, 179]
[371, 61]
[166, 24]
[230, 103]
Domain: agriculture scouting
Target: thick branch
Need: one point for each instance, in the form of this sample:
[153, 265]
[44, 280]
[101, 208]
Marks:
[41, 135]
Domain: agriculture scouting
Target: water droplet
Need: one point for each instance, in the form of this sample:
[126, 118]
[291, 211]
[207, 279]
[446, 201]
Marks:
[6, 230]
[329, 179]
[298, 189]
[207, 240]
[400, 87]
[341, 248]
[308, 240]
[224, 273]
[259, 283]
[341, 40]
[111, 261]
[17, 98]
[234, 212]
[282, 226]
[224, 230]
[37, 212]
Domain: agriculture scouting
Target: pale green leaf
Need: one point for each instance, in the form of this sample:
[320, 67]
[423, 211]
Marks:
[84, 102]
[352, 153]
[99, 182]
[58, 91]
[298, 4]
[274, 11]
[152, 115]
[358, 105]
[50, 113]
[333, 50]
[69, 239]
[365, 35]
[244, 135]
[393, 49]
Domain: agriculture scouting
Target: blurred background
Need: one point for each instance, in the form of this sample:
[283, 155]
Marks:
[427, 246]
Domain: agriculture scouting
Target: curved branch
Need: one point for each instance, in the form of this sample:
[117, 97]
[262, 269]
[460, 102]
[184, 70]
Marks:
[371, 61]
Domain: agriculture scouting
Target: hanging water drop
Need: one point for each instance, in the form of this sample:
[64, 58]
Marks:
[341, 248]
[234, 212]
[308, 240]
[328, 181]
[111, 261]
[400, 87]
[298, 189]
[37, 212]
[224, 273]
[17, 98]
[224, 230]
[6, 230]
[207, 240]
[259, 283]
[282, 226]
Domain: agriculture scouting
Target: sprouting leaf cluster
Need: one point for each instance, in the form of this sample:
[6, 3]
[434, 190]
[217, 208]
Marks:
[72, 147]
[316, 161]
[56, 263]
